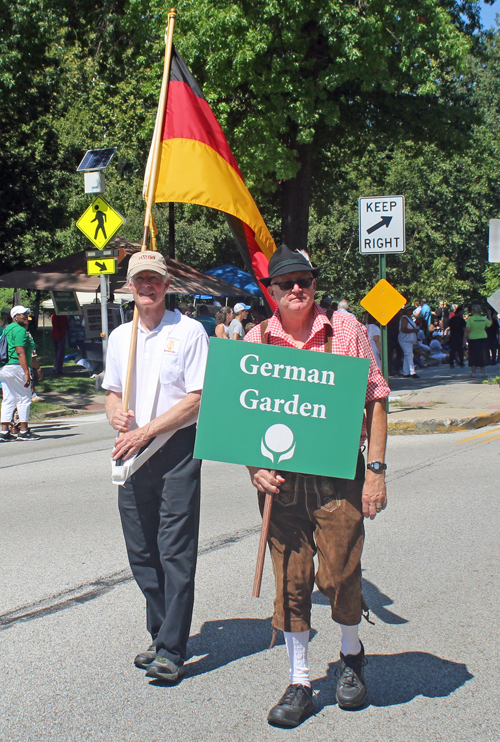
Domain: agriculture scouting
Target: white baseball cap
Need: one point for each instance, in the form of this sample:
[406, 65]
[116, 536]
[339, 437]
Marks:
[147, 260]
[18, 310]
[240, 307]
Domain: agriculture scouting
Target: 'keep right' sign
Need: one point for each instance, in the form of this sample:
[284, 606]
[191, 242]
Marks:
[381, 225]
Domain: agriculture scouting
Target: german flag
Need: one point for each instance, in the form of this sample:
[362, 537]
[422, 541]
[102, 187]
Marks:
[198, 167]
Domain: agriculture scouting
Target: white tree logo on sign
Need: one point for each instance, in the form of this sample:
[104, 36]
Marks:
[278, 439]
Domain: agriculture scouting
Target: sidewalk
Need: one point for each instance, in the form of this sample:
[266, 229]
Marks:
[442, 400]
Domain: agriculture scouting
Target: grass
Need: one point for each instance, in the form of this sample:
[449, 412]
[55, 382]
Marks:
[493, 380]
[42, 410]
[74, 380]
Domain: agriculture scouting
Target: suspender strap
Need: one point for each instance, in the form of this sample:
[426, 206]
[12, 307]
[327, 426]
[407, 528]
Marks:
[328, 338]
[263, 328]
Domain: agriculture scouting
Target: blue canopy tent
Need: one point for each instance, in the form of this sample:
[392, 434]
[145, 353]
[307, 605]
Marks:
[235, 276]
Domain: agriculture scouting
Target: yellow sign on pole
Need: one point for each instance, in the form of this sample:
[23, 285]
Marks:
[101, 266]
[100, 222]
[383, 302]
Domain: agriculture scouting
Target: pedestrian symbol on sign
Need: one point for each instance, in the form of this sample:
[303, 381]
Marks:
[100, 218]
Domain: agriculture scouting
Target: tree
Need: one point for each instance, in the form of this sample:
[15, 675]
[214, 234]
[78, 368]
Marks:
[287, 78]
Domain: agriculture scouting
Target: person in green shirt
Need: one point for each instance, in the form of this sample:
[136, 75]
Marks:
[15, 376]
[475, 335]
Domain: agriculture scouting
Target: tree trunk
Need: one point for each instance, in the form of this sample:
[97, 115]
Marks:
[295, 200]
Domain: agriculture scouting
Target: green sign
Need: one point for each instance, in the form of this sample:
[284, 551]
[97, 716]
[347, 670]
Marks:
[65, 302]
[282, 408]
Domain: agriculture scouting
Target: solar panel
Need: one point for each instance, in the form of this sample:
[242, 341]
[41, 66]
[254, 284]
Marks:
[96, 159]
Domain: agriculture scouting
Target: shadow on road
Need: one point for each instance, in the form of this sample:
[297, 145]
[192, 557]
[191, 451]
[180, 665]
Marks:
[393, 679]
[225, 641]
[375, 599]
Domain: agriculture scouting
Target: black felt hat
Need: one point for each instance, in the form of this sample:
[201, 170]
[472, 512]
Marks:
[284, 261]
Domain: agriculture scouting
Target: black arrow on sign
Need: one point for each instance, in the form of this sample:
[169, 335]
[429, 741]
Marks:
[385, 220]
[102, 266]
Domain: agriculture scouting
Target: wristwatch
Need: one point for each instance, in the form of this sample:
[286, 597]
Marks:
[377, 466]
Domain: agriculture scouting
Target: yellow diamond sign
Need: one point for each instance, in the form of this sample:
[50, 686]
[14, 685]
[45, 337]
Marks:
[383, 302]
[100, 222]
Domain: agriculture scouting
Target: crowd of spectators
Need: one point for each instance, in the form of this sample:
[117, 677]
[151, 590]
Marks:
[420, 336]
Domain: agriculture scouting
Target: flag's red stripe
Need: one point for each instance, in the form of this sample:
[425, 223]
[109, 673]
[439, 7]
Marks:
[260, 263]
[190, 117]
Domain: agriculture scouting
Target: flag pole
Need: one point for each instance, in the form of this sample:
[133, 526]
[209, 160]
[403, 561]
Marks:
[151, 187]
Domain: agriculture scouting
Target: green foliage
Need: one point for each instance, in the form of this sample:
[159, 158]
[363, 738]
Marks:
[386, 95]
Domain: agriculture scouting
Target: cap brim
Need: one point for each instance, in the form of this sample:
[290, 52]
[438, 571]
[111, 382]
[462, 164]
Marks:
[289, 269]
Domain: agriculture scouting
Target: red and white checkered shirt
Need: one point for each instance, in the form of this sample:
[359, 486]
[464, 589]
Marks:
[349, 339]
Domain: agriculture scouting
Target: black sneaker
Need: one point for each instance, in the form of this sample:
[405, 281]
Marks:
[293, 708]
[28, 435]
[144, 659]
[7, 436]
[351, 688]
[162, 668]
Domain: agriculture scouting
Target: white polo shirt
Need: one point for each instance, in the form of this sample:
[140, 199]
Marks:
[183, 345]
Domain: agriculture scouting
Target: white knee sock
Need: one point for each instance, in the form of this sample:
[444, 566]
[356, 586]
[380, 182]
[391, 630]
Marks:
[350, 639]
[296, 645]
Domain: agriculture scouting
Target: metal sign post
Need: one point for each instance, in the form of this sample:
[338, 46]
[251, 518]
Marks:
[384, 355]
[104, 318]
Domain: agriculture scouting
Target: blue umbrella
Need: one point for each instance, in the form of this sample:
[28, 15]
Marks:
[237, 277]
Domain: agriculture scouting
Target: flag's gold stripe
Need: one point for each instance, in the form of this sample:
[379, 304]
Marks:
[192, 172]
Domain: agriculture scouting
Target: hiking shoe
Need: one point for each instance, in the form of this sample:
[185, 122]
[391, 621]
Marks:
[293, 708]
[28, 435]
[7, 436]
[144, 659]
[351, 688]
[164, 669]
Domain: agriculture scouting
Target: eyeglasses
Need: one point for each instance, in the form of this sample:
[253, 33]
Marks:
[302, 283]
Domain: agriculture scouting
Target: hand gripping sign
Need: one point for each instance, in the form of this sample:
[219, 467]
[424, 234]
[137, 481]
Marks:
[282, 408]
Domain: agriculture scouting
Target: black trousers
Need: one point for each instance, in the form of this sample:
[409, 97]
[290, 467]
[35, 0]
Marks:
[160, 513]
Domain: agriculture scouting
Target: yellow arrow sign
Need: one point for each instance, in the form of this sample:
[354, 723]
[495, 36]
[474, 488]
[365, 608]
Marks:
[101, 266]
[100, 222]
[383, 302]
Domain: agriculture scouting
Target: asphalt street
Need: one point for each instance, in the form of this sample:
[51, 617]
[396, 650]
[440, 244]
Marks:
[72, 619]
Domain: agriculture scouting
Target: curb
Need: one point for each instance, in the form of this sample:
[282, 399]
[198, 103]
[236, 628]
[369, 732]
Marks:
[446, 425]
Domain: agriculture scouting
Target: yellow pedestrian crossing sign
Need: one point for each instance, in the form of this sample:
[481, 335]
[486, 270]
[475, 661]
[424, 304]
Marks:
[100, 222]
[101, 266]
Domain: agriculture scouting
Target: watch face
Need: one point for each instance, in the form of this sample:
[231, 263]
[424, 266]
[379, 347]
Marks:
[377, 466]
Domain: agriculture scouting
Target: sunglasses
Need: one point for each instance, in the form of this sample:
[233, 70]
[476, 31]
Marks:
[302, 283]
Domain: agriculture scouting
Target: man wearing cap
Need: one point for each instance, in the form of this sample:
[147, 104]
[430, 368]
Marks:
[316, 514]
[236, 329]
[15, 376]
[159, 503]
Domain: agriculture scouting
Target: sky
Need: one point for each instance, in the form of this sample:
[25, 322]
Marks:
[488, 13]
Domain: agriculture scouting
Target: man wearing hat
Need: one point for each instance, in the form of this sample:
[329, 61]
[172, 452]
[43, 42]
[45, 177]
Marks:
[159, 503]
[16, 377]
[315, 514]
[236, 330]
